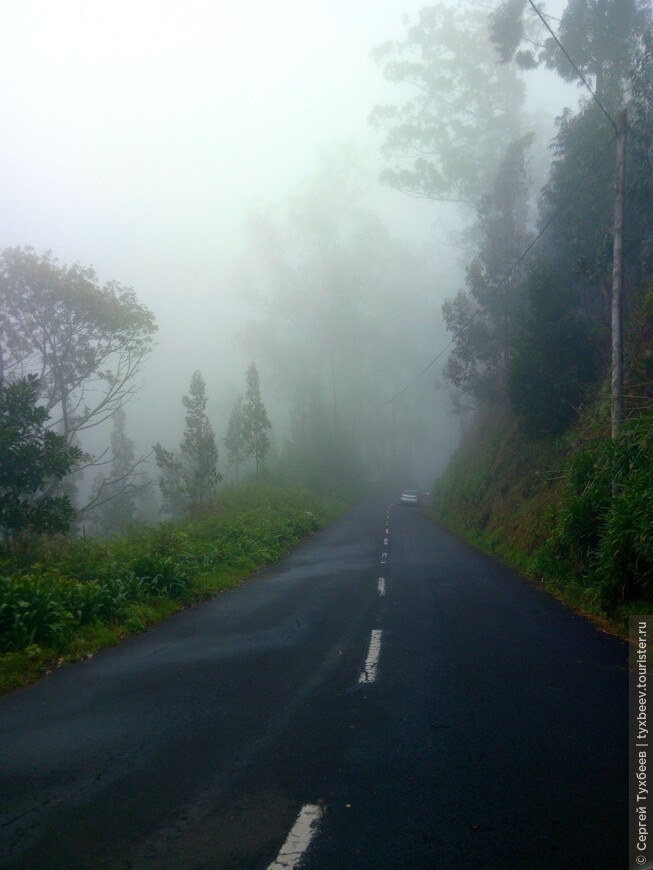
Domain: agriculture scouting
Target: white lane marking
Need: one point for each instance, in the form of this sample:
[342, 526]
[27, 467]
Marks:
[384, 558]
[381, 586]
[385, 542]
[387, 531]
[372, 660]
[299, 838]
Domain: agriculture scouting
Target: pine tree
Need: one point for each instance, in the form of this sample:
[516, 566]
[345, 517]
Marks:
[199, 451]
[255, 421]
[189, 479]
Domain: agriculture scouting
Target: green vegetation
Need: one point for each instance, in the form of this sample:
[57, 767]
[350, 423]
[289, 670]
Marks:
[539, 481]
[64, 600]
[574, 514]
[189, 478]
[32, 459]
[87, 341]
[602, 537]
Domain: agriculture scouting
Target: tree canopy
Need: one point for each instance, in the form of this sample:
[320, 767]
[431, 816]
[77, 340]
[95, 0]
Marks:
[444, 140]
[602, 37]
[553, 360]
[32, 458]
[85, 342]
[482, 318]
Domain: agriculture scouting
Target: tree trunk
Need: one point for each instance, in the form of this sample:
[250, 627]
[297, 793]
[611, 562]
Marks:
[617, 278]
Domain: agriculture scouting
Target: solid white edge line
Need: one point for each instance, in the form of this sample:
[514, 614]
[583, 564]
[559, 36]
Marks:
[299, 838]
[372, 660]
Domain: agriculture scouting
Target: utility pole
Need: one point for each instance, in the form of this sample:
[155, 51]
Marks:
[618, 277]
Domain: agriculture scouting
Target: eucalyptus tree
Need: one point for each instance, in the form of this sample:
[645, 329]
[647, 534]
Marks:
[609, 42]
[445, 139]
[483, 318]
[85, 341]
[554, 360]
[603, 38]
[346, 314]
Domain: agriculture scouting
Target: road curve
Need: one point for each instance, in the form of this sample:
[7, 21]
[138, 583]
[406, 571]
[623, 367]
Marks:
[384, 697]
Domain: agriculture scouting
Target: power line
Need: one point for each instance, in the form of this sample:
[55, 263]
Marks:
[529, 247]
[578, 72]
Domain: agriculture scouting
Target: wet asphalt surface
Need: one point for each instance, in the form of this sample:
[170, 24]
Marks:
[494, 734]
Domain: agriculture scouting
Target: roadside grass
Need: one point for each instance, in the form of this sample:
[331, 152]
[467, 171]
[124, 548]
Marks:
[64, 601]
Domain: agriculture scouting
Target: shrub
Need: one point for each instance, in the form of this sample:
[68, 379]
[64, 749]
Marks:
[32, 612]
[604, 533]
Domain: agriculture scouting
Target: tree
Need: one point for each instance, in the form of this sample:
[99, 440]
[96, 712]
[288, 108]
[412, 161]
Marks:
[188, 479]
[482, 318]
[255, 422]
[316, 455]
[444, 142]
[113, 505]
[329, 279]
[86, 342]
[198, 448]
[172, 482]
[31, 457]
[610, 43]
[553, 360]
[602, 37]
[234, 437]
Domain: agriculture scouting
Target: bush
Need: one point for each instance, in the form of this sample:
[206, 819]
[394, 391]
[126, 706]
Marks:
[32, 612]
[604, 534]
[160, 576]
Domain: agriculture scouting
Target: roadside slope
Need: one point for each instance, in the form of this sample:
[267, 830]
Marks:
[572, 513]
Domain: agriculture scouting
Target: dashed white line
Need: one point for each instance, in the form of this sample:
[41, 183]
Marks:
[385, 542]
[381, 586]
[299, 838]
[372, 661]
[384, 558]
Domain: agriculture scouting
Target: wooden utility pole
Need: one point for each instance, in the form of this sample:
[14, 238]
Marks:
[618, 277]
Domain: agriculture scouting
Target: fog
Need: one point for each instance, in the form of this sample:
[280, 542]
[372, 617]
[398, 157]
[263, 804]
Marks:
[146, 139]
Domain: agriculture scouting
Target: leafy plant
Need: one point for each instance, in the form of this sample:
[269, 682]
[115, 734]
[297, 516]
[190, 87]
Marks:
[603, 534]
[83, 583]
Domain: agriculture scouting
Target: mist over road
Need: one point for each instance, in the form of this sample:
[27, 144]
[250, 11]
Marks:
[384, 697]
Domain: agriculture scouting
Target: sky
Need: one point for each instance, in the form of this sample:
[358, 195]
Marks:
[138, 135]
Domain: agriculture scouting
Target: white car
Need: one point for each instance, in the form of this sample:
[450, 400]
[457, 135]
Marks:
[410, 496]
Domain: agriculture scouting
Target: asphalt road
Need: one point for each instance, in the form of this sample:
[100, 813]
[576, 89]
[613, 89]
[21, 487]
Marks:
[384, 697]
